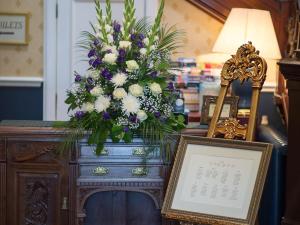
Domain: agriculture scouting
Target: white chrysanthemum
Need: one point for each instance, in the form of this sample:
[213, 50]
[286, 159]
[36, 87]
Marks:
[119, 79]
[141, 115]
[111, 48]
[124, 44]
[143, 51]
[96, 91]
[88, 107]
[110, 58]
[102, 103]
[108, 28]
[130, 104]
[119, 93]
[155, 88]
[136, 90]
[146, 41]
[132, 65]
[93, 74]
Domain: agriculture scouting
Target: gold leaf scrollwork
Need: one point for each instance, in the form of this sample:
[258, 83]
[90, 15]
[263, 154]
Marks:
[244, 65]
[231, 128]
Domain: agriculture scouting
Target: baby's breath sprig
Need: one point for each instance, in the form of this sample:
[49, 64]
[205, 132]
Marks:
[129, 18]
[101, 21]
[156, 26]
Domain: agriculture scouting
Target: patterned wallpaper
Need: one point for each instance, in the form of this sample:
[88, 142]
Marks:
[18, 60]
[201, 29]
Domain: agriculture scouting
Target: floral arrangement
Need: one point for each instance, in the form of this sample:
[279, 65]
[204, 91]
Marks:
[126, 90]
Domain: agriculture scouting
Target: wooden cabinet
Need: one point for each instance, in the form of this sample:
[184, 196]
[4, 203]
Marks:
[35, 180]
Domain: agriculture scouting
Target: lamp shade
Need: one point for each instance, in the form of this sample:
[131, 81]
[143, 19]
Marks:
[243, 25]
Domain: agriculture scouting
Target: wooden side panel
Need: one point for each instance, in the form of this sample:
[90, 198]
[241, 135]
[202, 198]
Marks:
[3, 194]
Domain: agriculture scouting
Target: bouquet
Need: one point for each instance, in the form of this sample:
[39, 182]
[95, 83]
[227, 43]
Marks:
[126, 90]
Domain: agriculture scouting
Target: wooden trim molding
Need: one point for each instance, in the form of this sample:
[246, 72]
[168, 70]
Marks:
[13, 81]
[2, 194]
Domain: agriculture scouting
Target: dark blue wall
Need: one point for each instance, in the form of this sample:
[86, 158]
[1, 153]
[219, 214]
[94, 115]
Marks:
[21, 103]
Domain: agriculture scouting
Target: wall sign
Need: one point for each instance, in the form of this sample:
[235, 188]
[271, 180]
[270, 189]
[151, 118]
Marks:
[14, 28]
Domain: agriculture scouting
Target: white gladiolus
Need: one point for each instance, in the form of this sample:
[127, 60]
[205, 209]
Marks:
[99, 35]
[110, 58]
[119, 79]
[143, 51]
[152, 48]
[102, 103]
[156, 38]
[119, 93]
[130, 104]
[136, 90]
[111, 48]
[141, 115]
[88, 107]
[97, 26]
[108, 28]
[146, 41]
[96, 91]
[124, 44]
[110, 38]
[155, 88]
[132, 65]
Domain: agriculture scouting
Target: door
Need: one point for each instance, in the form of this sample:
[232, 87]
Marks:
[73, 17]
[37, 185]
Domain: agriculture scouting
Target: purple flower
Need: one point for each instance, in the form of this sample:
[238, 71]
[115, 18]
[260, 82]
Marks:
[106, 116]
[77, 78]
[121, 59]
[90, 80]
[96, 42]
[116, 27]
[171, 86]
[122, 52]
[126, 129]
[157, 114]
[106, 74]
[91, 61]
[153, 74]
[133, 37]
[97, 62]
[79, 114]
[89, 87]
[133, 119]
[141, 36]
[92, 53]
[140, 44]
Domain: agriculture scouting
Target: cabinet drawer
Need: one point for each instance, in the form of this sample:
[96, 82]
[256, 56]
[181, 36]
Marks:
[38, 151]
[120, 171]
[119, 151]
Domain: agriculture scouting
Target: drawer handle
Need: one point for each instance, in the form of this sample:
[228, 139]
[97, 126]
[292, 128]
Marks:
[140, 151]
[64, 205]
[100, 171]
[139, 171]
[104, 152]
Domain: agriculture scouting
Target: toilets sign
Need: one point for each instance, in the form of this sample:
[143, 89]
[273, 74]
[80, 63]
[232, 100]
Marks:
[14, 28]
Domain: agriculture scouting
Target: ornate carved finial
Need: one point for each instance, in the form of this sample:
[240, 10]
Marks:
[231, 128]
[244, 65]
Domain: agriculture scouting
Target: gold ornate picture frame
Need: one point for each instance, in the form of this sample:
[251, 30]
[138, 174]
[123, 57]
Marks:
[14, 28]
[230, 108]
[217, 181]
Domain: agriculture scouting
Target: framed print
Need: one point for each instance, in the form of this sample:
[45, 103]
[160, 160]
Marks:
[217, 181]
[230, 108]
[14, 28]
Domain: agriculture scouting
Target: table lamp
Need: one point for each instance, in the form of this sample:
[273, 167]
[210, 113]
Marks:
[244, 25]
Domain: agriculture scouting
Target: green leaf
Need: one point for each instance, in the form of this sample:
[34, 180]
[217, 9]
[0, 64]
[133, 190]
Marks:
[99, 148]
[128, 137]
